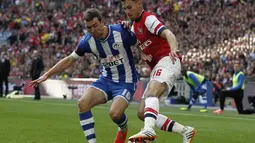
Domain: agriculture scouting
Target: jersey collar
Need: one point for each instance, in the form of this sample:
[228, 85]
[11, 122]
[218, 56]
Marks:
[139, 16]
[109, 33]
[237, 72]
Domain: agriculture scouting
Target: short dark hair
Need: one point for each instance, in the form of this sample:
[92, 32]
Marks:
[92, 13]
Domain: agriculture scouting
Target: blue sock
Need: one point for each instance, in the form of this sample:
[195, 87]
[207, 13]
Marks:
[192, 100]
[122, 122]
[87, 123]
[205, 105]
[205, 102]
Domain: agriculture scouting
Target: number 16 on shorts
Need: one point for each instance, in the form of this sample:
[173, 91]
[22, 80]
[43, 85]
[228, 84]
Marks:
[157, 72]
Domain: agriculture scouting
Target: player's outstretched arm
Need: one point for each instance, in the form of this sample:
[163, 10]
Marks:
[171, 39]
[195, 80]
[59, 67]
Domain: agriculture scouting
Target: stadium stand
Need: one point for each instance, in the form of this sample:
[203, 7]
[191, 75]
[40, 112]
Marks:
[211, 33]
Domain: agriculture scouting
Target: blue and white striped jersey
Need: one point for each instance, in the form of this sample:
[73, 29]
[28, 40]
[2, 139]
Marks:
[114, 53]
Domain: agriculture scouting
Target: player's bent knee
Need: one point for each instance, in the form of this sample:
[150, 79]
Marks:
[150, 93]
[115, 115]
[155, 89]
[83, 107]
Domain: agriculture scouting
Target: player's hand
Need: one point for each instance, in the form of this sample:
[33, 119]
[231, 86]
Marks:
[125, 24]
[146, 57]
[36, 82]
[173, 55]
[228, 88]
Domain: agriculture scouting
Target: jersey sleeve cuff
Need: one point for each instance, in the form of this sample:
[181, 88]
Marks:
[74, 55]
[161, 29]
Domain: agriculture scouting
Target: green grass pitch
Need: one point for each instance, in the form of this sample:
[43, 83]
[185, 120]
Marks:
[57, 121]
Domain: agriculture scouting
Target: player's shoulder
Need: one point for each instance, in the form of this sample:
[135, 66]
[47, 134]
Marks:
[119, 28]
[85, 38]
[148, 14]
[147, 17]
[84, 41]
[116, 27]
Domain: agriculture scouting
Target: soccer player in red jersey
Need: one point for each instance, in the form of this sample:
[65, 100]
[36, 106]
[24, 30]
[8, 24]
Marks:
[159, 48]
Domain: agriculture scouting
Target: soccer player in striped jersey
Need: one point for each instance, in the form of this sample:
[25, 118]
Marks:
[159, 48]
[111, 44]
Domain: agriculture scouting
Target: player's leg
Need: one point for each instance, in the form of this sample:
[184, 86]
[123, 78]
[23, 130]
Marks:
[122, 95]
[163, 77]
[223, 95]
[203, 101]
[203, 98]
[163, 122]
[150, 111]
[1, 86]
[192, 100]
[156, 87]
[154, 91]
[216, 93]
[118, 116]
[140, 112]
[238, 97]
[6, 82]
[216, 97]
[94, 95]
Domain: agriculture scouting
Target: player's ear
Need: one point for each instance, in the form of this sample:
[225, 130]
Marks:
[102, 21]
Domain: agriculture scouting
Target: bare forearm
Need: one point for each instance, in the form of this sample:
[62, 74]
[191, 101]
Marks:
[60, 66]
[171, 39]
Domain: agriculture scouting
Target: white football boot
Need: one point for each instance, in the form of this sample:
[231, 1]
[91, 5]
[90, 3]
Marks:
[188, 134]
[144, 135]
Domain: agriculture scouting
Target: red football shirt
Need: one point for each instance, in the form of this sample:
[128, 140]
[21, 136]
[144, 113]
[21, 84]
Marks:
[148, 29]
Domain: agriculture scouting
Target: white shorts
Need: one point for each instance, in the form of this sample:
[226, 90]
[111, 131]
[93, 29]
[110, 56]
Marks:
[166, 71]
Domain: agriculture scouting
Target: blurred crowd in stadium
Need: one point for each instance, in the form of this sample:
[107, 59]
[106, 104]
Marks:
[211, 33]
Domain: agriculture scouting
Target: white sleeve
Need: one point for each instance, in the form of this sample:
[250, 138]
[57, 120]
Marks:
[153, 24]
[74, 55]
[132, 28]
